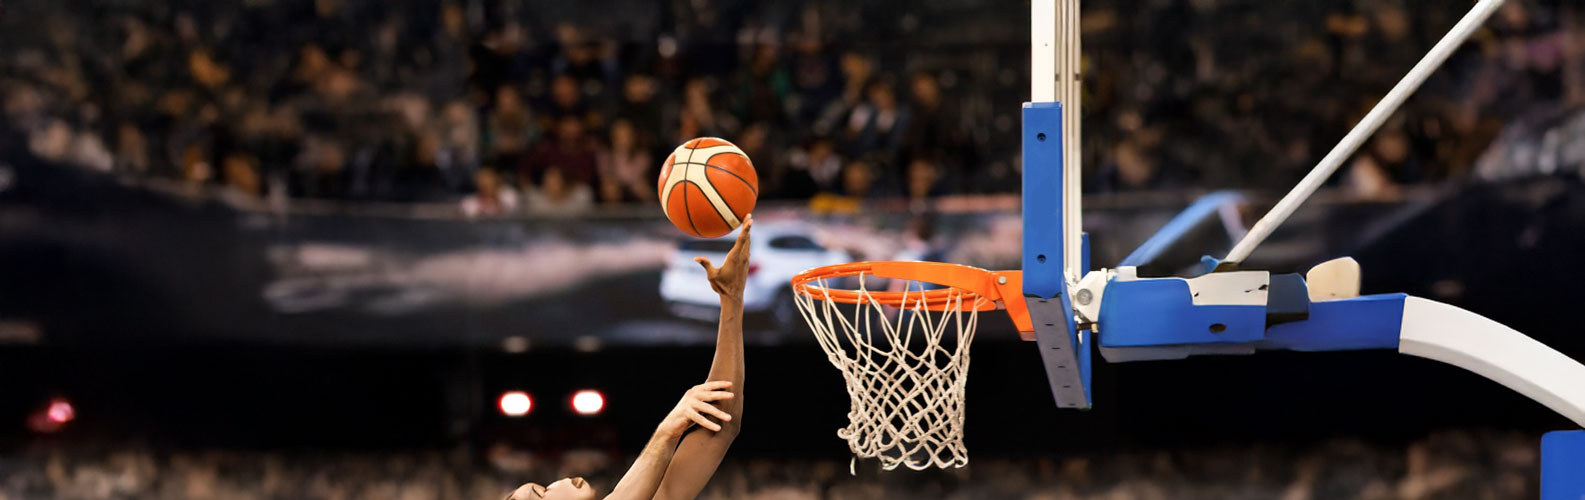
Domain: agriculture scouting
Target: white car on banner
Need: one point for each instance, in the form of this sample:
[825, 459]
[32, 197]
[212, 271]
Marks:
[778, 252]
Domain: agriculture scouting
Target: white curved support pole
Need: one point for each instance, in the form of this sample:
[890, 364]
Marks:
[1445, 333]
[1356, 137]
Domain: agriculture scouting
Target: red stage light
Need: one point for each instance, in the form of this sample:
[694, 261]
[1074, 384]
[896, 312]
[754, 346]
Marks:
[588, 402]
[516, 403]
[60, 411]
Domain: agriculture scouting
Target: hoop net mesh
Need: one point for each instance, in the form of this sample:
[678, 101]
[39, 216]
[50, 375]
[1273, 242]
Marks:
[905, 370]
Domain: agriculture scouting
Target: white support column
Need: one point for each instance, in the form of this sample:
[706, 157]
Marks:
[1072, 131]
[1043, 50]
[1055, 63]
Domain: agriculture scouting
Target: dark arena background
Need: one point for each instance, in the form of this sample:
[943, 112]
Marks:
[302, 249]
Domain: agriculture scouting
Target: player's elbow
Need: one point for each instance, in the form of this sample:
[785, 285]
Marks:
[730, 429]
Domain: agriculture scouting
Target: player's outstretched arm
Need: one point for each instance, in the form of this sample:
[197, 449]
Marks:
[643, 479]
[701, 451]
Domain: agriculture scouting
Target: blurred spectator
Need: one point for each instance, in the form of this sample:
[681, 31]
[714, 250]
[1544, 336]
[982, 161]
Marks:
[321, 169]
[427, 176]
[491, 196]
[755, 141]
[919, 243]
[1441, 465]
[877, 125]
[243, 185]
[1132, 168]
[923, 179]
[558, 195]
[762, 87]
[699, 118]
[934, 129]
[132, 149]
[625, 167]
[196, 173]
[642, 110]
[859, 180]
[856, 71]
[570, 151]
[814, 76]
[812, 169]
[404, 103]
[566, 101]
[459, 126]
[511, 129]
[583, 62]
[859, 185]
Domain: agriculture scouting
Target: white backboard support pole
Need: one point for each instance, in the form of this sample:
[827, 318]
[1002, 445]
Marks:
[1056, 61]
[1455, 37]
[1043, 50]
[1070, 81]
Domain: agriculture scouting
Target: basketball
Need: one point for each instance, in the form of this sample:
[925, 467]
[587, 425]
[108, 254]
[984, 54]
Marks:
[707, 187]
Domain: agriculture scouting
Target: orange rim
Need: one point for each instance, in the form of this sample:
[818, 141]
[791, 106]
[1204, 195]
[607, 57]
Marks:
[965, 282]
[1004, 289]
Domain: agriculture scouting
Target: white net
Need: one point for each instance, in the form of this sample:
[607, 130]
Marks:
[905, 369]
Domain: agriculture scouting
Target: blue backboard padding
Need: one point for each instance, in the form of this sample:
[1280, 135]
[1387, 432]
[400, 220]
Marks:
[1563, 465]
[1367, 322]
[1043, 273]
[1160, 312]
[1043, 263]
[1179, 226]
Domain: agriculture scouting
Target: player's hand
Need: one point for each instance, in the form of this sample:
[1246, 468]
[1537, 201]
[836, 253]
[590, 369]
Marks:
[695, 409]
[729, 279]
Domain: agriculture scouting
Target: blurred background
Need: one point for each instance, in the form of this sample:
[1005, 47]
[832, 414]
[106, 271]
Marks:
[353, 249]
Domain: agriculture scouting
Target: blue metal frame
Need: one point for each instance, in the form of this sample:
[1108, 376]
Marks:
[1157, 318]
[1173, 318]
[1173, 321]
[1563, 465]
[1063, 349]
[1179, 226]
[1366, 322]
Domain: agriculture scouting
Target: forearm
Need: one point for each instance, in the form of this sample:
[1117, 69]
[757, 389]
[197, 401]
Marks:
[728, 362]
[643, 479]
[701, 451]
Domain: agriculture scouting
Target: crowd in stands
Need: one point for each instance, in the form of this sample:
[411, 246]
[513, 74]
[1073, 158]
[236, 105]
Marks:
[1457, 465]
[555, 107]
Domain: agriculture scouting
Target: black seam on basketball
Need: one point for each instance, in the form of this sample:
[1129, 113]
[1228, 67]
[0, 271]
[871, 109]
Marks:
[718, 212]
[751, 187]
[686, 211]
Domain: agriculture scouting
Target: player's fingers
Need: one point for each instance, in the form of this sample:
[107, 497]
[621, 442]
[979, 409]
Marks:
[748, 224]
[708, 396]
[714, 385]
[743, 237]
[705, 261]
[702, 421]
[707, 408]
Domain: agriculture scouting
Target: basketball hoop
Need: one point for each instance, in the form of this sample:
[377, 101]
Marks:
[904, 351]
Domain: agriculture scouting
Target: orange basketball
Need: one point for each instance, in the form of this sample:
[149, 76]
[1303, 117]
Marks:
[707, 187]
